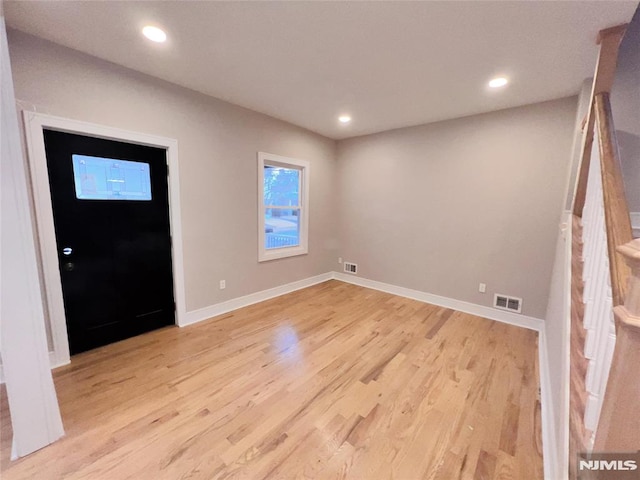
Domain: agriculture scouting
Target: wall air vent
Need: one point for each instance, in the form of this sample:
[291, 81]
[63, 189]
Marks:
[504, 302]
[350, 268]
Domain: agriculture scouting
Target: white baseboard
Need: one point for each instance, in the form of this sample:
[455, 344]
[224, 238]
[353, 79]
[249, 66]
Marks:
[516, 319]
[56, 362]
[196, 316]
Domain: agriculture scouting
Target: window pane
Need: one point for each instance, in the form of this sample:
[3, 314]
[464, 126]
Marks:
[282, 228]
[281, 186]
[98, 178]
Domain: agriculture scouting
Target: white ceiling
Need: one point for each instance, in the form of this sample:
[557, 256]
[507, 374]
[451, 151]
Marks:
[388, 64]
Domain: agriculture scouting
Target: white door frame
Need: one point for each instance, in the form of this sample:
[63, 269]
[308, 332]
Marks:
[34, 124]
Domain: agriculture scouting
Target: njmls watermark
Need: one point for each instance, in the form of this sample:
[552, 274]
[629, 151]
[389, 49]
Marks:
[608, 466]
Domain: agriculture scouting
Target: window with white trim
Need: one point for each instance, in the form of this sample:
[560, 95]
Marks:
[283, 206]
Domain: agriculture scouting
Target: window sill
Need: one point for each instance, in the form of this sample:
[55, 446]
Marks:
[276, 253]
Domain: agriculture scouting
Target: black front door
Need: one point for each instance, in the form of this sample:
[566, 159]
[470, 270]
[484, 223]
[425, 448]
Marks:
[111, 216]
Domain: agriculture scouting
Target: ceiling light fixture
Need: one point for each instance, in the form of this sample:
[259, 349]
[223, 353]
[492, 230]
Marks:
[498, 82]
[344, 118]
[154, 34]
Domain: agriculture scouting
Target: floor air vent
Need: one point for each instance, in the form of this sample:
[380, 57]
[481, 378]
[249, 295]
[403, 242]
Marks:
[513, 304]
[350, 267]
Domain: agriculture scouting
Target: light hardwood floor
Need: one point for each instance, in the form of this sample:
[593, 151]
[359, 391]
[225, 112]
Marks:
[333, 381]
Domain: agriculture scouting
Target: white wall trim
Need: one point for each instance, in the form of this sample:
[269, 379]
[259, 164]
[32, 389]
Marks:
[31, 395]
[206, 313]
[518, 320]
[34, 124]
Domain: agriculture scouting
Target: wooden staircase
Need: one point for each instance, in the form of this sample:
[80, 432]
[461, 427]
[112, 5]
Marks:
[605, 331]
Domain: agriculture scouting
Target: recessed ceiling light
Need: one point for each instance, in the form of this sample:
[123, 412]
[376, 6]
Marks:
[344, 118]
[498, 82]
[154, 34]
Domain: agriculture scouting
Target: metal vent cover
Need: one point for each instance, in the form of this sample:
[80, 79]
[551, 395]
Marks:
[350, 268]
[505, 302]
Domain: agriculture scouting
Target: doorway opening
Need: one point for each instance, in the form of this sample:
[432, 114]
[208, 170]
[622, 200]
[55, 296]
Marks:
[92, 261]
[111, 216]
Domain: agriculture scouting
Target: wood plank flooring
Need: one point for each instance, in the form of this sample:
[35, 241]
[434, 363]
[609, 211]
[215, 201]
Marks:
[333, 381]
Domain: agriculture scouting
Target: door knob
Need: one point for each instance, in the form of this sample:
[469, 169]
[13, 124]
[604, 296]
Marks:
[67, 251]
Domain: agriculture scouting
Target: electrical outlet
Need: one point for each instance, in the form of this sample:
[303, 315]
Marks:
[339, 259]
[482, 288]
[223, 284]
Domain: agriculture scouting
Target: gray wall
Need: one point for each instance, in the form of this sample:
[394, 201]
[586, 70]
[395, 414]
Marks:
[217, 142]
[442, 207]
[438, 208]
[625, 105]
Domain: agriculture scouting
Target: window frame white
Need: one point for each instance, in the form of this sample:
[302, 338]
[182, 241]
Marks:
[304, 166]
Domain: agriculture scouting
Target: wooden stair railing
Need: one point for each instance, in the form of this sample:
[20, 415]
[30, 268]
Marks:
[609, 41]
[616, 209]
[619, 426]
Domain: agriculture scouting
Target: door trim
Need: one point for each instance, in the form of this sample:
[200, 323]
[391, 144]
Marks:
[34, 125]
